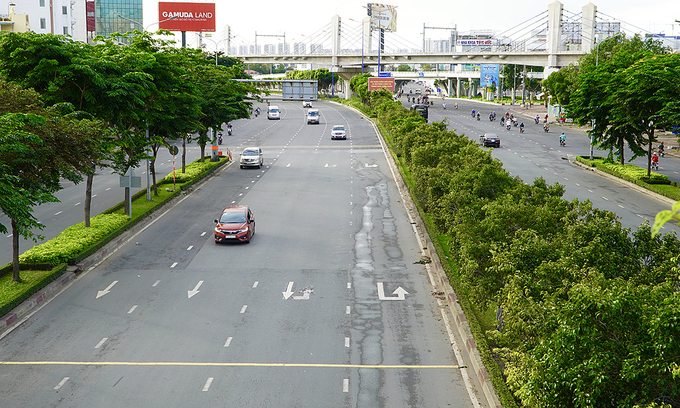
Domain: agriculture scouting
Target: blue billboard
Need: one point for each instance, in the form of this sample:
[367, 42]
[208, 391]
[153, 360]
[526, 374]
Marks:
[489, 75]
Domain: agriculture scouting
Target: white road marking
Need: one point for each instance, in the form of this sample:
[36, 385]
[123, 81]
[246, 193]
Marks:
[203, 233]
[132, 309]
[58, 213]
[347, 310]
[346, 341]
[345, 385]
[108, 189]
[94, 195]
[61, 383]
[255, 284]
[190, 247]
[156, 283]
[349, 285]
[228, 341]
[621, 206]
[206, 387]
[174, 264]
[78, 203]
[191, 293]
[101, 342]
[243, 309]
[606, 198]
[589, 190]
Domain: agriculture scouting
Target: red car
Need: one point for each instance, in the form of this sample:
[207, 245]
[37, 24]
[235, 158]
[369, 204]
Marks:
[236, 223]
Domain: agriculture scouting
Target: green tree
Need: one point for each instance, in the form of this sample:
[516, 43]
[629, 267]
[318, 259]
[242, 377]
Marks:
[404, 68]
[38, 148]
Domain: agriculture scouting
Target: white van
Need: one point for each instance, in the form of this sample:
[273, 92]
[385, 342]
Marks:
[273, 112]
[313, 116]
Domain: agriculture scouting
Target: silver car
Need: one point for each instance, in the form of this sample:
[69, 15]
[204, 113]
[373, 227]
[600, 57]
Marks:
[252, 157]
[338, 132]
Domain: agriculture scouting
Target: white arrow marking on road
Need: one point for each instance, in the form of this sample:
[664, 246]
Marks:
[289, 291]
[195, 291]
[400, 292]
[305, 294]
[101, 293]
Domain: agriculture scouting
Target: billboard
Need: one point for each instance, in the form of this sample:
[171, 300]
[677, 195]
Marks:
[489, 75]
[198, 17]
[383, 16]
[375, 84]
[89, 13]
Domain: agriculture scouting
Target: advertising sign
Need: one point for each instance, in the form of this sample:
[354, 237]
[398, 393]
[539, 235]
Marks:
[89, 13]
[475, 42]
[199, 17]
[489, 75]
[375, 84]
[383, 16]
[384, 74]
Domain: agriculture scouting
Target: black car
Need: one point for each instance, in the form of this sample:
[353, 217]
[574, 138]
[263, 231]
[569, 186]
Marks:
[490, 139]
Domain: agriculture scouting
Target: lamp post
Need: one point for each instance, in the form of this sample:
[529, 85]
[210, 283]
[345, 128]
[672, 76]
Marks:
[148, 162]
[216, 44]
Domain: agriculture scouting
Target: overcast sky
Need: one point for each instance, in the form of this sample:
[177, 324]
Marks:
[296, 18]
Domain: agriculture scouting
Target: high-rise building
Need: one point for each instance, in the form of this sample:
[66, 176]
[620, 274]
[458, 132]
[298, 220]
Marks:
[118, 16]
[51, 16]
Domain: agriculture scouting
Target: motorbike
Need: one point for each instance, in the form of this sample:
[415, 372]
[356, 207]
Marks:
[521, 129]
[479, 117]
[546, 128]
[229, 130]
[536, 120]
[508, 126]
[563, 142]
[219, 138]
[514, 123]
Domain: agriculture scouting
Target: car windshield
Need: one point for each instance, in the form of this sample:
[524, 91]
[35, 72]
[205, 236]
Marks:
[250, 153]
[338, 128]
[313, 113]
[273, 110]
[232, 218]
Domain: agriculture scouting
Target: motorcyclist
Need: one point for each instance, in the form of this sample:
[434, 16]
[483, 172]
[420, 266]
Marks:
[537, 119]
[662, 153]
[219, 137]
[479, 117]
[521, 127]
[444, 105]
[655, 161]
[563, 139]
[546, 127]
[229, 129]
[473, 113]
[456, 105]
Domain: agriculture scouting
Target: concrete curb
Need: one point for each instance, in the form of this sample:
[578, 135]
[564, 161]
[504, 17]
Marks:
[31, 305]
[441, 281]
[625, 183]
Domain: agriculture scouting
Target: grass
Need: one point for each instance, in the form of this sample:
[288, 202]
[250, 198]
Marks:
[10, 290]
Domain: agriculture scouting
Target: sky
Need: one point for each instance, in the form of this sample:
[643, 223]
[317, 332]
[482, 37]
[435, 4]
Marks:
[298, 18]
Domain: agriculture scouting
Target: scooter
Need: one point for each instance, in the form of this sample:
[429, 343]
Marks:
[219, 138]
[546, 128]
[563, 142]
[536, 120]
[229, 130]
[521, 129]
[508, 126]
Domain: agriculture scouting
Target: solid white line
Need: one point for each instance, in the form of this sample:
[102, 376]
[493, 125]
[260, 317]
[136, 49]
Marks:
[156, 283]
[345, 385]
[346, 341]
[243, 309]
[132, 309]
[228, 341]
[347, 310]
[101, 342]
[174, 264]
[255, 284]
[190, 246]
[459, 357]
[206, 387]
[61, 383]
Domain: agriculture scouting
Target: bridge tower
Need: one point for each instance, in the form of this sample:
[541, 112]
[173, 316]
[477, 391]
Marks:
[555, 11]
[588, 37]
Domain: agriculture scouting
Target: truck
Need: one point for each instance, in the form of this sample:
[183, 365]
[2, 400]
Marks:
[422, 110]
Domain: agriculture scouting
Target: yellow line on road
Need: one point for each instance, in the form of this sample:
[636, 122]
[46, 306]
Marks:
[323, 147]
[226, 364]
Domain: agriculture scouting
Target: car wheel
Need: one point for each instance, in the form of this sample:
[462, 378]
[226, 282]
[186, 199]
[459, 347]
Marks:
[241, 167]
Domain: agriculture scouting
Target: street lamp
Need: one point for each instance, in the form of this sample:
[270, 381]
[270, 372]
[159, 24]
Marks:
[148, 164]
[216, 44]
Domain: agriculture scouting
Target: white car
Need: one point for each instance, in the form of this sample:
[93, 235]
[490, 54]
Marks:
[338, 132]
[252, 157]
[273, 113]
[306, 104]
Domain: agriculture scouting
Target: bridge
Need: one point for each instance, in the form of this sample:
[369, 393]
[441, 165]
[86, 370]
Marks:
[552, 39]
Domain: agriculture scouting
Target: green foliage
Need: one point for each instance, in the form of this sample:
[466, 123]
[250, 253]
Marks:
[584, 301]
[73, 240]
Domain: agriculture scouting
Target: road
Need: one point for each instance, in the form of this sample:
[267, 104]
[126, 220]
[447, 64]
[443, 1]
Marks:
[172, 319]
[538, 154]
[106, 192]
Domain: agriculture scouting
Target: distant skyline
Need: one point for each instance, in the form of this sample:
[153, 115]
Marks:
[300, 18]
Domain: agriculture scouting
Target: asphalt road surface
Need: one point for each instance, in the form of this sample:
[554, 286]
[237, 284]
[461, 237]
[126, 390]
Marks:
[535, 153]
[309, 314]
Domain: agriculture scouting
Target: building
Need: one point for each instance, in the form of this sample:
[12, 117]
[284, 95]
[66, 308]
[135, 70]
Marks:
[118, 16]
[65, 17]
[16, 23]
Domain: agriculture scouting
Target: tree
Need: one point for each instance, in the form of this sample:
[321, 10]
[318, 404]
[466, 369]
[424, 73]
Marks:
[38, 148]
[404, 68]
